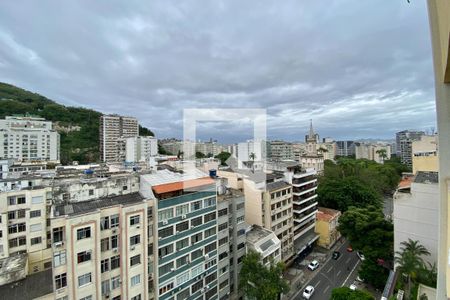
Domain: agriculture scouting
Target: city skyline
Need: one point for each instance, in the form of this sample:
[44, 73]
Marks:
[274, 58]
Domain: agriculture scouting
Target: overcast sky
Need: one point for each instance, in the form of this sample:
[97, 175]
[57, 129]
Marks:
[359, 69]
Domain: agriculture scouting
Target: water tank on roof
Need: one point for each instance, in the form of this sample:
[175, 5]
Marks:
[213, 173]
[89, 172]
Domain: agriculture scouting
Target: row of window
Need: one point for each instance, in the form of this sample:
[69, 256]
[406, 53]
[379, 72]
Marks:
[184, 209]
[183, 243]
[183, 226]
[280, 193]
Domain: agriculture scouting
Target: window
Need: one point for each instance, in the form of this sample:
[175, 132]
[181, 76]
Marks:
[135, 260]
[135, 280]
[35, 213]
[20, 241]
[36, 240]
[84, 233]
[21, 213]
[210, 232]
[59, 258]
[196, 254]
[83, 256]
[165, 232]
[240, 219]
[35, 227]
[134, 240]
[114, 220]
[114, 242]
[210, 278]
[223, 212]
[196, 205]
[21, 200]
[196, 221]
[87, 298]
[104, 244]
[134, 220]
[223, 284]
[58, 234]
[210, 263]
[209, 217]
[84, 279]
[210, 293]
[223, 255]
[116, 298]
[223, 241]
[210, 202]
[166, 288]
[163, 270]
[182, 261]
[182, 278]
[163, 251]
[105, 287]
[165, 214]
[182, 209]
[240, 206]
[196, 238]
[115, 262]
[12, 200]
[104, 265]
[182, 226]
[115, 282]
[241, 232]
[61, 281]
[1, 234]
[104, 223]
[210, 247]
[240, 246]
[183, 295]
[197, 286]
[182, 244]
[11, 215]
[36, 200]
[223, 226]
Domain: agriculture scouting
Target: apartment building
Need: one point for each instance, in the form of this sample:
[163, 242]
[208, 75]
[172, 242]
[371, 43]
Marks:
[113, 130]
[252, 154]
[345, 148]
[327, 148]
[373, 151]
[404, 140]
[425, 154]
[281, 150]
[264, 242]
[140, 148]
[28, 138]
[23, 229]
[326, 227]
[103, 248]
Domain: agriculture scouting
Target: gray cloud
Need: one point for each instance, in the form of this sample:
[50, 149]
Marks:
[358, 68]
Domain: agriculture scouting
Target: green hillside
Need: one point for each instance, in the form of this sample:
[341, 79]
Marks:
[81, 145]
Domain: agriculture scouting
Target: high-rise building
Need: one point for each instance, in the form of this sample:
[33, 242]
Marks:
[345, 148]
[404, 141]
[252, 154]
[140, 148]
[114, 129]
[373, 151]
[425, 154]
[281, 150]
[27, 138]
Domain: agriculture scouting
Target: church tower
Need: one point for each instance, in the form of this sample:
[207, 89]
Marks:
[311, 141]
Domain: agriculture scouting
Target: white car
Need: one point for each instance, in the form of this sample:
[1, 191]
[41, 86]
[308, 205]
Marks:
[353, 287]
[313, 265]
[360, 255]
[307, 293]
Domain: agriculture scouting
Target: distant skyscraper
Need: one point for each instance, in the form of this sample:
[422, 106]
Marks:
[113, 131]
[404, 141]
[345, 148]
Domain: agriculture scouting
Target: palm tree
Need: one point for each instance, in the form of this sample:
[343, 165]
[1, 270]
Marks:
[252, 156]
[382, 154]
[410, 260]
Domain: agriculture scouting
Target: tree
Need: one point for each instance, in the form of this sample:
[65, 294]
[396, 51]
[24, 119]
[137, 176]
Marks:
[199, 155]
[410, 260]
[223, 156]
[345, 293]
[382, 154]
[259, 282]
[252, 156]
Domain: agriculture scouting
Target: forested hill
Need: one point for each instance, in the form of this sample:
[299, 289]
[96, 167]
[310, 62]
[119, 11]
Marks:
[78, 127]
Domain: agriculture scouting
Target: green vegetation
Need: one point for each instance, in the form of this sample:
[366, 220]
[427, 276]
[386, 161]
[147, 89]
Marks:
[259, 282]
[82, 145]
[345, 293]
[223, 156]
[413, 267]
[199, 155]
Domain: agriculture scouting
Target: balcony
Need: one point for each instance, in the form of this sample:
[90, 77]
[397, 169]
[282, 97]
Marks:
[304, 190]
[303, 230]
[307, 214]
[305, 208]
[302, 201]
[303, 181]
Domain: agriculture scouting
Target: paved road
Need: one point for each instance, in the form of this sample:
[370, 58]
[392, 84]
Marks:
[334, 273]
[388, 206]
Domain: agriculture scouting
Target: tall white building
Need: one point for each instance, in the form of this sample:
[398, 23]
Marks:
[140, 148]
[252, 154]
[113, 130]
[28, 138]
[371, 151]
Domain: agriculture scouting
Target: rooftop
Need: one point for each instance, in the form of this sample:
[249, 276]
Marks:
[327, 214]
[257, 233]
[276, 185]
[181, 185]
[405, 182]
[89, 206]
[231, 193]
[426, 177]
[33, 286]
[13, 264]
[165, 176]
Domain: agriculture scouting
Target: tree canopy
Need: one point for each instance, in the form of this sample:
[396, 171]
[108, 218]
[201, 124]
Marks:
[345, 293]
[223, 156]
[259, 282]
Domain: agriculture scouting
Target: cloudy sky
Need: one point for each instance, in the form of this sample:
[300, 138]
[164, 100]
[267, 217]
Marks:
[359, 69]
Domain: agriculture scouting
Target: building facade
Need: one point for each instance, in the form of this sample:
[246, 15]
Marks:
[313, 158]
[140, 148]
[326, 227]
[281, 150]
[373, 151]
[28, 138]
[404, 140]
[345, 148]
[114, 129]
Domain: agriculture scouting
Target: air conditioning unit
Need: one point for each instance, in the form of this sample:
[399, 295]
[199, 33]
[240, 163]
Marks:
[58, 244]
[165, 222]
[115, 250]
[206, 255]
[183, 216]
[172, 269]
[207, 287]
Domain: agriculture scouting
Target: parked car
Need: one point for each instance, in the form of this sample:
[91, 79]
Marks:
[335, 255]
[360, 255]
[353, 286]
[313, 265]
[307, 293]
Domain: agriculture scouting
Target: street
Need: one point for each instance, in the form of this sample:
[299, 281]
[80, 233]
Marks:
[333, 273]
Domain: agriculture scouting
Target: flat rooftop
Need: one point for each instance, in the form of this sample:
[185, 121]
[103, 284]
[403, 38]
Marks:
[78, 208]
[33, 286]
[231, 193]
[272, 186]
[257, 233]
[427, 177]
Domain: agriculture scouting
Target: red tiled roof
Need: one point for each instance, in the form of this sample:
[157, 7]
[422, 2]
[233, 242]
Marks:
[405, 182]
[327, 214]
[180, 185]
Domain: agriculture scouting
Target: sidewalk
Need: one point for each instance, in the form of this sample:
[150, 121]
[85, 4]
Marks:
[297, 276]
